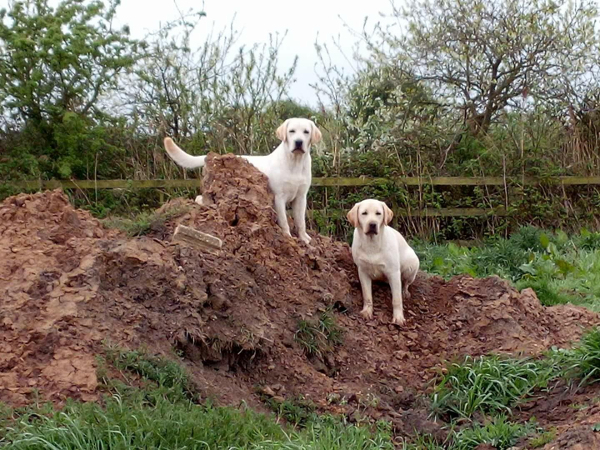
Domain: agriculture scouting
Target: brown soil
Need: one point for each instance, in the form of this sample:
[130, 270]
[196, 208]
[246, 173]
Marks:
[68, 283]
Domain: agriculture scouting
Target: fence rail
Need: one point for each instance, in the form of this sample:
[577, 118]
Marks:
[323, 182]
[335, 182]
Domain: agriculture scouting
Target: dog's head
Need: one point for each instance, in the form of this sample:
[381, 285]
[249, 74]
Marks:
[298, 135]
[369, 216]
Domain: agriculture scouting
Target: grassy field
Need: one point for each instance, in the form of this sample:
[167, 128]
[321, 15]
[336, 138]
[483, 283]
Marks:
[559, 268]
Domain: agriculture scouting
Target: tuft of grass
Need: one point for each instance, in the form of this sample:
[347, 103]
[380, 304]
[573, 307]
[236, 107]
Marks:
[164, 372]
[319, 336]
[422, 442]
[499, 432]
[583, 361]
[490, 384]
[144, 222]
[298, 411]
[542, 438]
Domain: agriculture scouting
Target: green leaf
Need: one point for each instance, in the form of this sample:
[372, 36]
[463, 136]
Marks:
[544, 240]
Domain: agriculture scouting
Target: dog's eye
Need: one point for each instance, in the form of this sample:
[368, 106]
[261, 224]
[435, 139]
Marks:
[364, 213]
[305, 131]
[292, 131]
[378, 213]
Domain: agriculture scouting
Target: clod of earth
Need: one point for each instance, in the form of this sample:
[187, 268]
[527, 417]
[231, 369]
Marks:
[68, 283]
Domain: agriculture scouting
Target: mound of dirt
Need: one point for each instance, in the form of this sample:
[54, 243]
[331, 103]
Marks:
[68, 284]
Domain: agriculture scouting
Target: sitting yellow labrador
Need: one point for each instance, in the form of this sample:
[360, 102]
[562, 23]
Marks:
[381, 253]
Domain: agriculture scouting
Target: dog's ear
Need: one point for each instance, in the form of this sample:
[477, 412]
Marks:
[388, 214]
[281, 132]
[353, 216]
[315, 135]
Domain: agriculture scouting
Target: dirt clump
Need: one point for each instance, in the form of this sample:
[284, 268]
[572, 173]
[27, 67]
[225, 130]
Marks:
[69, 283]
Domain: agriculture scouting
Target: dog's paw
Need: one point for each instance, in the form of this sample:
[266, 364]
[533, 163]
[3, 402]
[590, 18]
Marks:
[305, 238]
[367, 313]
[399, 320]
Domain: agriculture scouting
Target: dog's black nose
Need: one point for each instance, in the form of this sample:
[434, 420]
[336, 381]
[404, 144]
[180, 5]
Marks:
[372, 227]
[298, 143]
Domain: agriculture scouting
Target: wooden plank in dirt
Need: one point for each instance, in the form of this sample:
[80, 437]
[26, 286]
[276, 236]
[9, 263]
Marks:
[197, 239]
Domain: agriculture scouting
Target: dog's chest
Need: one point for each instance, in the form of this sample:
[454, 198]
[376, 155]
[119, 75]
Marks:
[292, 185]
[372, 265]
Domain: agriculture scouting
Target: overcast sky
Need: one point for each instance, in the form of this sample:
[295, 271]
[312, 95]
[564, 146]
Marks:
[304, 21]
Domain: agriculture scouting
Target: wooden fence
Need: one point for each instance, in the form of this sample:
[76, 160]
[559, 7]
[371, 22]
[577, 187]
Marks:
[333, 182]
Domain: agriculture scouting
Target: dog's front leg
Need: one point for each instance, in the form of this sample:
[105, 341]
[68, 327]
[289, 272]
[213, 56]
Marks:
[395, 281]
[281, 216]
[367, 291]
[299, 210]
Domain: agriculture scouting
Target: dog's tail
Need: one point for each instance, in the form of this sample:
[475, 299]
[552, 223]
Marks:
[181, 157]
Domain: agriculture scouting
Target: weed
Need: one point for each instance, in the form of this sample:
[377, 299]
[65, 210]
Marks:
[320, 336]
[490, 384]
[297, 411]
[165, 373]
[499, 432]
[583, 361]
[422, 442]
[541, 439]
[144, 222]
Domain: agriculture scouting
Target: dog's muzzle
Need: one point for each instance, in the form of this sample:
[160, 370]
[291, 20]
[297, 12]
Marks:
[372, 229]
[298, 148]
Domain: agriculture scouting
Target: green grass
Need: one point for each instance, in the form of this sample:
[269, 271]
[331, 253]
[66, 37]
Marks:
[163, 415]
[499, 432]
[542, 438]
[165, 373]
[490, 384]
[582, 362]
[559, 268]
[318, 336]
[297, 411]
[165, 412]
[143, 222]
[495, 384]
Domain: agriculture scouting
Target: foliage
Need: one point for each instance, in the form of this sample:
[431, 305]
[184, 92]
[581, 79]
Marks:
[81, 99]
[486, 56]
[144, 222]
[318, 336]
[494, 384]
[583, 362]
[498, 432]
[560, 269]
[56, 64]
[491, 384]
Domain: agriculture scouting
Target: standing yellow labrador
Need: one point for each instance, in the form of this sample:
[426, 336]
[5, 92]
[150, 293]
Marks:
[381, 253]
[288, 169]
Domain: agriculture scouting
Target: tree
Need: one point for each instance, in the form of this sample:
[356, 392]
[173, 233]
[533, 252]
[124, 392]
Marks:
[55, 66]
[484, 56]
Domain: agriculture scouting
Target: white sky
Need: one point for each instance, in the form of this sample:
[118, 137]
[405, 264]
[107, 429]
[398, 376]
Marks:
[304, 21]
